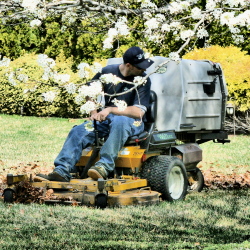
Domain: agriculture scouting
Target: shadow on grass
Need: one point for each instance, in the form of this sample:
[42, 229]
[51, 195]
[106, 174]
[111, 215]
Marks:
[203, 221]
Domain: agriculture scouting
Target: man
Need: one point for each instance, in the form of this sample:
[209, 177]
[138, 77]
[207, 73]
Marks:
[117, 125]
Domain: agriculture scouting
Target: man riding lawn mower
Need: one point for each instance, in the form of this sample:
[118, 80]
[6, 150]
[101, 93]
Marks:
[159, 162]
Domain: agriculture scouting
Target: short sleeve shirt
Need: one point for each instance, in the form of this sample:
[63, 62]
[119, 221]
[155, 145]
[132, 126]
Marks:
[139, 96]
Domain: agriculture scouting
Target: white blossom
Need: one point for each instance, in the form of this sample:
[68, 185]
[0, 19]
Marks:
[201, 33]
[243, 19]
[147, 4]
[83, 90]
[210, 5]
[139, 80]
[93, 90]
[70, 88]
[31, 5]
[166, 27]
[175, 8]
[96, 67]
[238, 38]
[11, 79]
[47, 74]
[196, 13]
[234, 30]
[156, 38]
[83, 70]
[227, 18]
[236, 3]
[137, 123]
[35, 22]
[112, 32]
[110, 78]
[5, 62]
[184, 4]
[153, 23]
[192, 1]
[22, 78]
[49, 96]
[120, 104]
[174, 56]
[63, 28]
[89, 126]
[88, 107]
[61, 78]
[40, 13]
[175, 25]
[147, 15]
[79, 99]
[25, 91]
[108, 43]
[69, 16]
[160, 18]
[217, 13]
[148, 55]
[185, 34]
[41, 60]
[44, 61]
[122, 27]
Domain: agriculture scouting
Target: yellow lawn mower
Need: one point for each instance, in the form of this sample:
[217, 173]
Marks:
[187, 108]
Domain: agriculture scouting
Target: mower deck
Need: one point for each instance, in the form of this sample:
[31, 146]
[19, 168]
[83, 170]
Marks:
[101, 193]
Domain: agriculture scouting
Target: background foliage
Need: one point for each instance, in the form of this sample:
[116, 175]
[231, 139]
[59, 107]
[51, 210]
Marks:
[26, 97]
[71, 43]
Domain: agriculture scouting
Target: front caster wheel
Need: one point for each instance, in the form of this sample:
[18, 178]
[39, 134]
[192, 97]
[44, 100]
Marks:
[8, 196]
[196, 180]
[101, 200]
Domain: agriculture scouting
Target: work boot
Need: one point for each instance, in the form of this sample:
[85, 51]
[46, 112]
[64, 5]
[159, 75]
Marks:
[54, 176]
[96, 172]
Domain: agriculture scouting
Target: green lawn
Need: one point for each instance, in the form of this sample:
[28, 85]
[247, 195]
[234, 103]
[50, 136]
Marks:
[212, 219]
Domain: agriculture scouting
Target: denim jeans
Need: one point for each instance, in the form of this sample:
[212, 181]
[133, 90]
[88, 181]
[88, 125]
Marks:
[117, 128]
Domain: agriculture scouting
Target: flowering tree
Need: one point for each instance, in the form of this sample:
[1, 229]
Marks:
[185, 21]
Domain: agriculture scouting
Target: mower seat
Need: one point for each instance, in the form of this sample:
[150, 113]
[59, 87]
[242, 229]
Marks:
[150, 121]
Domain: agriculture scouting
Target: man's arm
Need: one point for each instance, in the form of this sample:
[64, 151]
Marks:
[130, 111]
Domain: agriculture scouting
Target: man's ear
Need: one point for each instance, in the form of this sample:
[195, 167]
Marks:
[128, 65]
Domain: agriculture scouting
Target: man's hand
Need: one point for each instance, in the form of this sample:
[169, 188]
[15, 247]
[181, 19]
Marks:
[100, 116]
[130, 111]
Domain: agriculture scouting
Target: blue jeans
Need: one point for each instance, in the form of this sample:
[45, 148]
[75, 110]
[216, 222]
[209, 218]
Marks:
[117, 128]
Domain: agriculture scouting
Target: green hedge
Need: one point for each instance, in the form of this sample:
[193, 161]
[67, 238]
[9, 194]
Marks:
[26, 97]
[14, 101]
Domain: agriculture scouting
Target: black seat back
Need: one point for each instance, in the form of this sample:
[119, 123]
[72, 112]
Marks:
[151, 112]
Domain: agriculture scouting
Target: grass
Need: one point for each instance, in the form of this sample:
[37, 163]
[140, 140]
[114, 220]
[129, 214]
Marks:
[230, 156]
[32, 139]
[212, 219]
[202, 221]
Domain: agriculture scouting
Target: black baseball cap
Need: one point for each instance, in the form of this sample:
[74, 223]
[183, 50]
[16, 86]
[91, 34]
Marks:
[135, 56]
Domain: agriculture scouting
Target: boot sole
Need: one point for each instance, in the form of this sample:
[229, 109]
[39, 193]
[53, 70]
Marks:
[54, 176]
[94, 174]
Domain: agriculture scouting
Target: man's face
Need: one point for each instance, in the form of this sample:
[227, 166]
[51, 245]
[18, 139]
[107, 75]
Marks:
[135, 71]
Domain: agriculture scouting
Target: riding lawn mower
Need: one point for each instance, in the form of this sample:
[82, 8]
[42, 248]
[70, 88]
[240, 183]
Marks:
[187, 108]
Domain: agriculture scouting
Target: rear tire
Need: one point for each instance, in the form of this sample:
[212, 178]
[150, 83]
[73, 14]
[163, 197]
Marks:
[166, 175]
